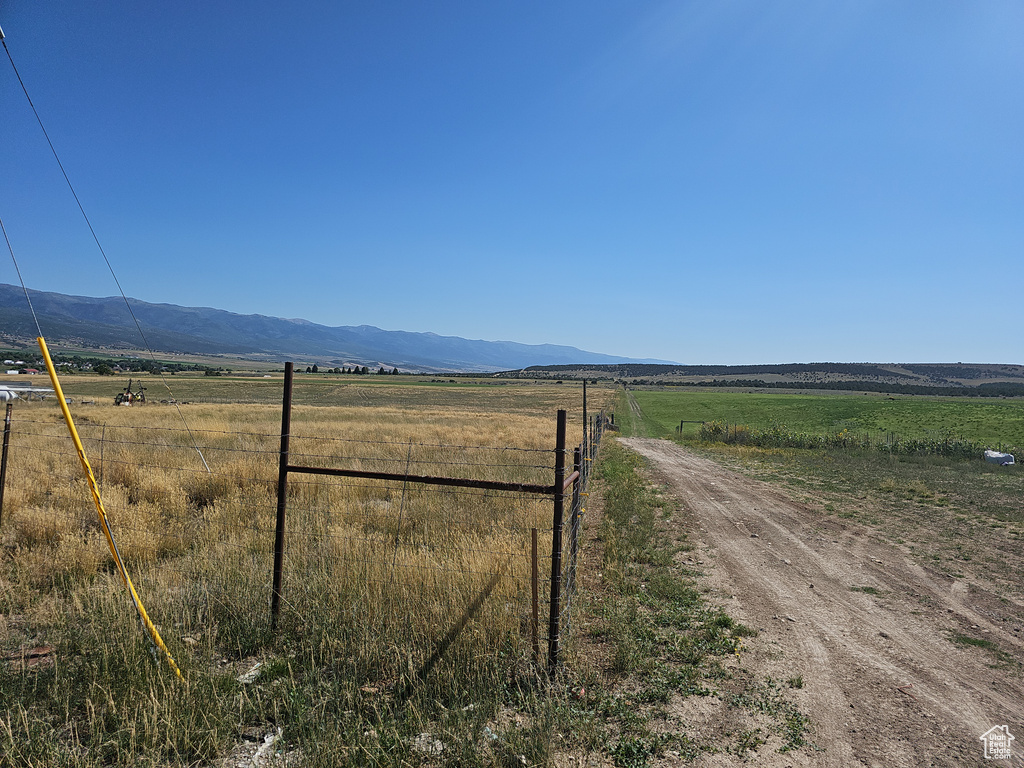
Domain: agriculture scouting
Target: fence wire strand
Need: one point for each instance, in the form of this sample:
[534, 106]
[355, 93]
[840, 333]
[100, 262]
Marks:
[209, 536]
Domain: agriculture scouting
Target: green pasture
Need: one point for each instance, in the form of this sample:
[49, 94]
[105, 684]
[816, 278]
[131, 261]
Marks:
[992, 421]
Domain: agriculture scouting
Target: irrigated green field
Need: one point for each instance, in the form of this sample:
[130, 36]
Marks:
[985, 420]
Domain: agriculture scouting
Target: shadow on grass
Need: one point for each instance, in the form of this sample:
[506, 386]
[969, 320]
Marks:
[472, 609]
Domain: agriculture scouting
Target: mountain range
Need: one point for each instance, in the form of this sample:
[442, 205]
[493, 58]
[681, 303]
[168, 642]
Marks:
[105, 323]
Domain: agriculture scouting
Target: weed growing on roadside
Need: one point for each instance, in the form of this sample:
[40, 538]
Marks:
[867, 590]
[1002, 658]
[767, 698]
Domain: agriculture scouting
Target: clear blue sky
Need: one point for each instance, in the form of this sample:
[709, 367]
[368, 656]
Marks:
[705, 182]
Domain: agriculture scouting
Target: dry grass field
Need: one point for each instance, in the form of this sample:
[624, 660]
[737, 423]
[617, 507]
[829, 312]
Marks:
[378, 574]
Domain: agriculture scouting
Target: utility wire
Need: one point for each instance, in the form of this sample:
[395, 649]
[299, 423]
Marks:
[17, 268]
[103, 253]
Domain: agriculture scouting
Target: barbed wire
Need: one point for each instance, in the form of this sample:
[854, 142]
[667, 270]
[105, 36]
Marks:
[276, 436]
[295, 456]
[113, 461]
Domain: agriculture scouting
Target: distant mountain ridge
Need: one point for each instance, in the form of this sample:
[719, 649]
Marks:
[106, 322]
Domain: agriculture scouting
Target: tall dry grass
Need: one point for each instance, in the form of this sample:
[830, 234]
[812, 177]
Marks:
[377, 574]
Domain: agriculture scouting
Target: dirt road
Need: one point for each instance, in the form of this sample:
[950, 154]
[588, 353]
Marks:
[867, 627]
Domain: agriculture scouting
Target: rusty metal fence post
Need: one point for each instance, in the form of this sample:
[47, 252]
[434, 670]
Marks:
[282, 495]
[586, 421]
[556, 545]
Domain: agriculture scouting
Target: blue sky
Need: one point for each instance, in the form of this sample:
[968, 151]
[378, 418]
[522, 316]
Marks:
[704, 182]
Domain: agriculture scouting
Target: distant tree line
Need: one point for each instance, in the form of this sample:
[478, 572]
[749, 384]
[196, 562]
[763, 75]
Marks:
[106, 366]
[354, 370]
[939, 371]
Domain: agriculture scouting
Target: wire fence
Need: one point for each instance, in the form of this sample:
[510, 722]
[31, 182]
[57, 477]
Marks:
[211, 549]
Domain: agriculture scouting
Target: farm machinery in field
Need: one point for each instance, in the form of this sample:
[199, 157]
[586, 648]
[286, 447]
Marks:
[129, 397]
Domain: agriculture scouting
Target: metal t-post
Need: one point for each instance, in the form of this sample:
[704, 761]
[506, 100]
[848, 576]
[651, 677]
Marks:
[574, 536]
[282, 495]
[556, 545]
[586, 421]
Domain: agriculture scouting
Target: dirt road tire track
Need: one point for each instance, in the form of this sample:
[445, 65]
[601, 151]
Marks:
[884, 686]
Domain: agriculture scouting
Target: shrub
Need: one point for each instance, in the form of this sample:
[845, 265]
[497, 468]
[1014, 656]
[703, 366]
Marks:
[777, 435]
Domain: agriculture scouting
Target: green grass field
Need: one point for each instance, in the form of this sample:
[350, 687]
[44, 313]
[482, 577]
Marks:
[990, 421]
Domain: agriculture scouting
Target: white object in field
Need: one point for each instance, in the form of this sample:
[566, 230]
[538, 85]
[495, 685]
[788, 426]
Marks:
[251, 675]
[10, 392]
[995, 457]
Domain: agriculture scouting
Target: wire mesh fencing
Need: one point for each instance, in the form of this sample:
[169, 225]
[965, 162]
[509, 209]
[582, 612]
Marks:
[418, 561]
